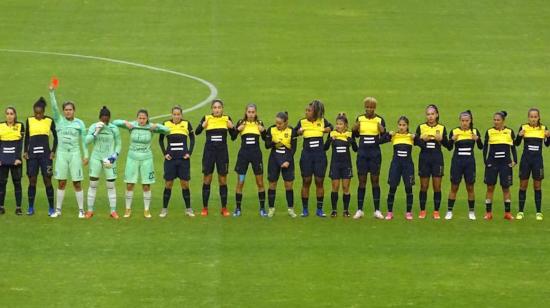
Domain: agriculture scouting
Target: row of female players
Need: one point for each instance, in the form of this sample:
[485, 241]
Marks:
[71, 140]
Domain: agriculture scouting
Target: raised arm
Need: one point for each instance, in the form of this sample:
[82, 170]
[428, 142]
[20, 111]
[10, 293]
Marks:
[55, 109]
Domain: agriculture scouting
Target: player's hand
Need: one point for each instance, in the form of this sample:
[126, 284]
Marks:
[153, 127]
[205, 123]
[26, 155]
[17, 162]
[85, 161]
[261, 128]
[168, 157]
[240, 127]
[521, 133]
[128, 124]
[186, 156]
[426, 137]
[52, 156]
[392, 133]
[51, 88]
[438, 136]
[381, 128]
[230, 124]
[512, 164]
[455, 137]
[412, 135]
[547, 134]
[475, 137]
[285, 165]
[301, 131]
[355, 127]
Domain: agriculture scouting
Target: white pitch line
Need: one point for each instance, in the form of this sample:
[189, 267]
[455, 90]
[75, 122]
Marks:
[211, 87]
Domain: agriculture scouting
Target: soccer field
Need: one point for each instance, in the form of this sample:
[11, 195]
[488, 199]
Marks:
[484, 56]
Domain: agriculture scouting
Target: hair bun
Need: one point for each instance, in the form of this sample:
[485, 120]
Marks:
[504, 113]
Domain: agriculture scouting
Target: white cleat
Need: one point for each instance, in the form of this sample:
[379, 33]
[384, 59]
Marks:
[56, 214]
[291, 213]
[81, 214]
[377, 215]
[189, 212]
[449, 215]
[163, 213]
[358, 214]
[472, 216]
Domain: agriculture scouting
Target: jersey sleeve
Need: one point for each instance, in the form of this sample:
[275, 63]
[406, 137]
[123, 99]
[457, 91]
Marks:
[518, 139]
[328, 124]
[268, 138]
[191, 138]
[199, 129]
[90, 135]
[55, 109]
[118, 141]
[450, 142]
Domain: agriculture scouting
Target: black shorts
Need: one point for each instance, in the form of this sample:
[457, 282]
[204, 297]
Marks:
[401, 169]
[246, 158]
[16, 172]
[177, 168]
[463, 167]
[340, 170]
[274, 168]
[495, 171]
[43, 164]
[531, 166]
[368, 164]
[430, 165]
[218, 158]
[313, 163]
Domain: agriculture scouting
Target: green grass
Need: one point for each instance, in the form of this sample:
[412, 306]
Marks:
[483, 56]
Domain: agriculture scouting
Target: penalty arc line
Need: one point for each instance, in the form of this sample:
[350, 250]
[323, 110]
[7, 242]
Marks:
[211, 87]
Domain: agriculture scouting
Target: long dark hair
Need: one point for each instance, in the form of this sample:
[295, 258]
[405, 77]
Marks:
[14, 111]
[318, 109]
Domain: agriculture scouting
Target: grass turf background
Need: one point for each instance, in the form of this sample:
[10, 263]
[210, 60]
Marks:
[484, 56]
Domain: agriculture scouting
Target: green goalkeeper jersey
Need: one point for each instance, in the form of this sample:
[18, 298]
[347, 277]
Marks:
[71, 133]
[106, 142]
[140, 139]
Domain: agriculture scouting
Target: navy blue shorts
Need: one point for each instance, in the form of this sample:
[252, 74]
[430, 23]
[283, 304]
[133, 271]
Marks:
[274, 168]
[430, 165]
[218, 158]
[531, 166]
[42, 164]
[313, 163]
[498, 171]
[401, 169]
[463, 168]
[368, 164]
[177, 168]
[340, 170]
[253, 158]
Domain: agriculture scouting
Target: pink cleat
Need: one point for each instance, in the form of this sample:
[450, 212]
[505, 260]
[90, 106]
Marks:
[389, 216]
[409, 216]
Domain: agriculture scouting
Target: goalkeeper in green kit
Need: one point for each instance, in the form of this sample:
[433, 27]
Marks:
[106, 139]
[139, 163]
[71, 133]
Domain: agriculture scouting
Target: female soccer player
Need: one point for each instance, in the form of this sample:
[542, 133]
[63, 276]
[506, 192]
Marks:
[11, 144]
[370, 128]
[217, 126]
[177, 159]
[499, 143]
[69, 160]
[250, 129]
[340, 165]
[463, 164]
[431, 136]
[281, 139]
[313, 161]
[533, 134]
[38, 153]
[139, 163]
[402, 166]
[106, 139]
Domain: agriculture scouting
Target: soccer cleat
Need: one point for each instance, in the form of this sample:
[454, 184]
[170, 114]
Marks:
[519, 216]
[189, 212]
[163, 213]
[422, 214]
[81, 214]
[488, 216]
[147, 214]
[378, 215]
[51, 211]
[263, 213]
[449, 215]
[359, 214]
[539, 217]
[346, 214]
[472, 215]
[389, 216]
[508, 216]
[436, 215]
[204, 211]
[305, 212]
[237, 213]
[225, 212]
[56, 214]
[18, 211]
[89, 214]
[271, 212]
[320, 213]
[291, 213]
[114, 215]
[127, 213]
[30, 211]
[2, 210]
[333, 214]
[409, 216]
